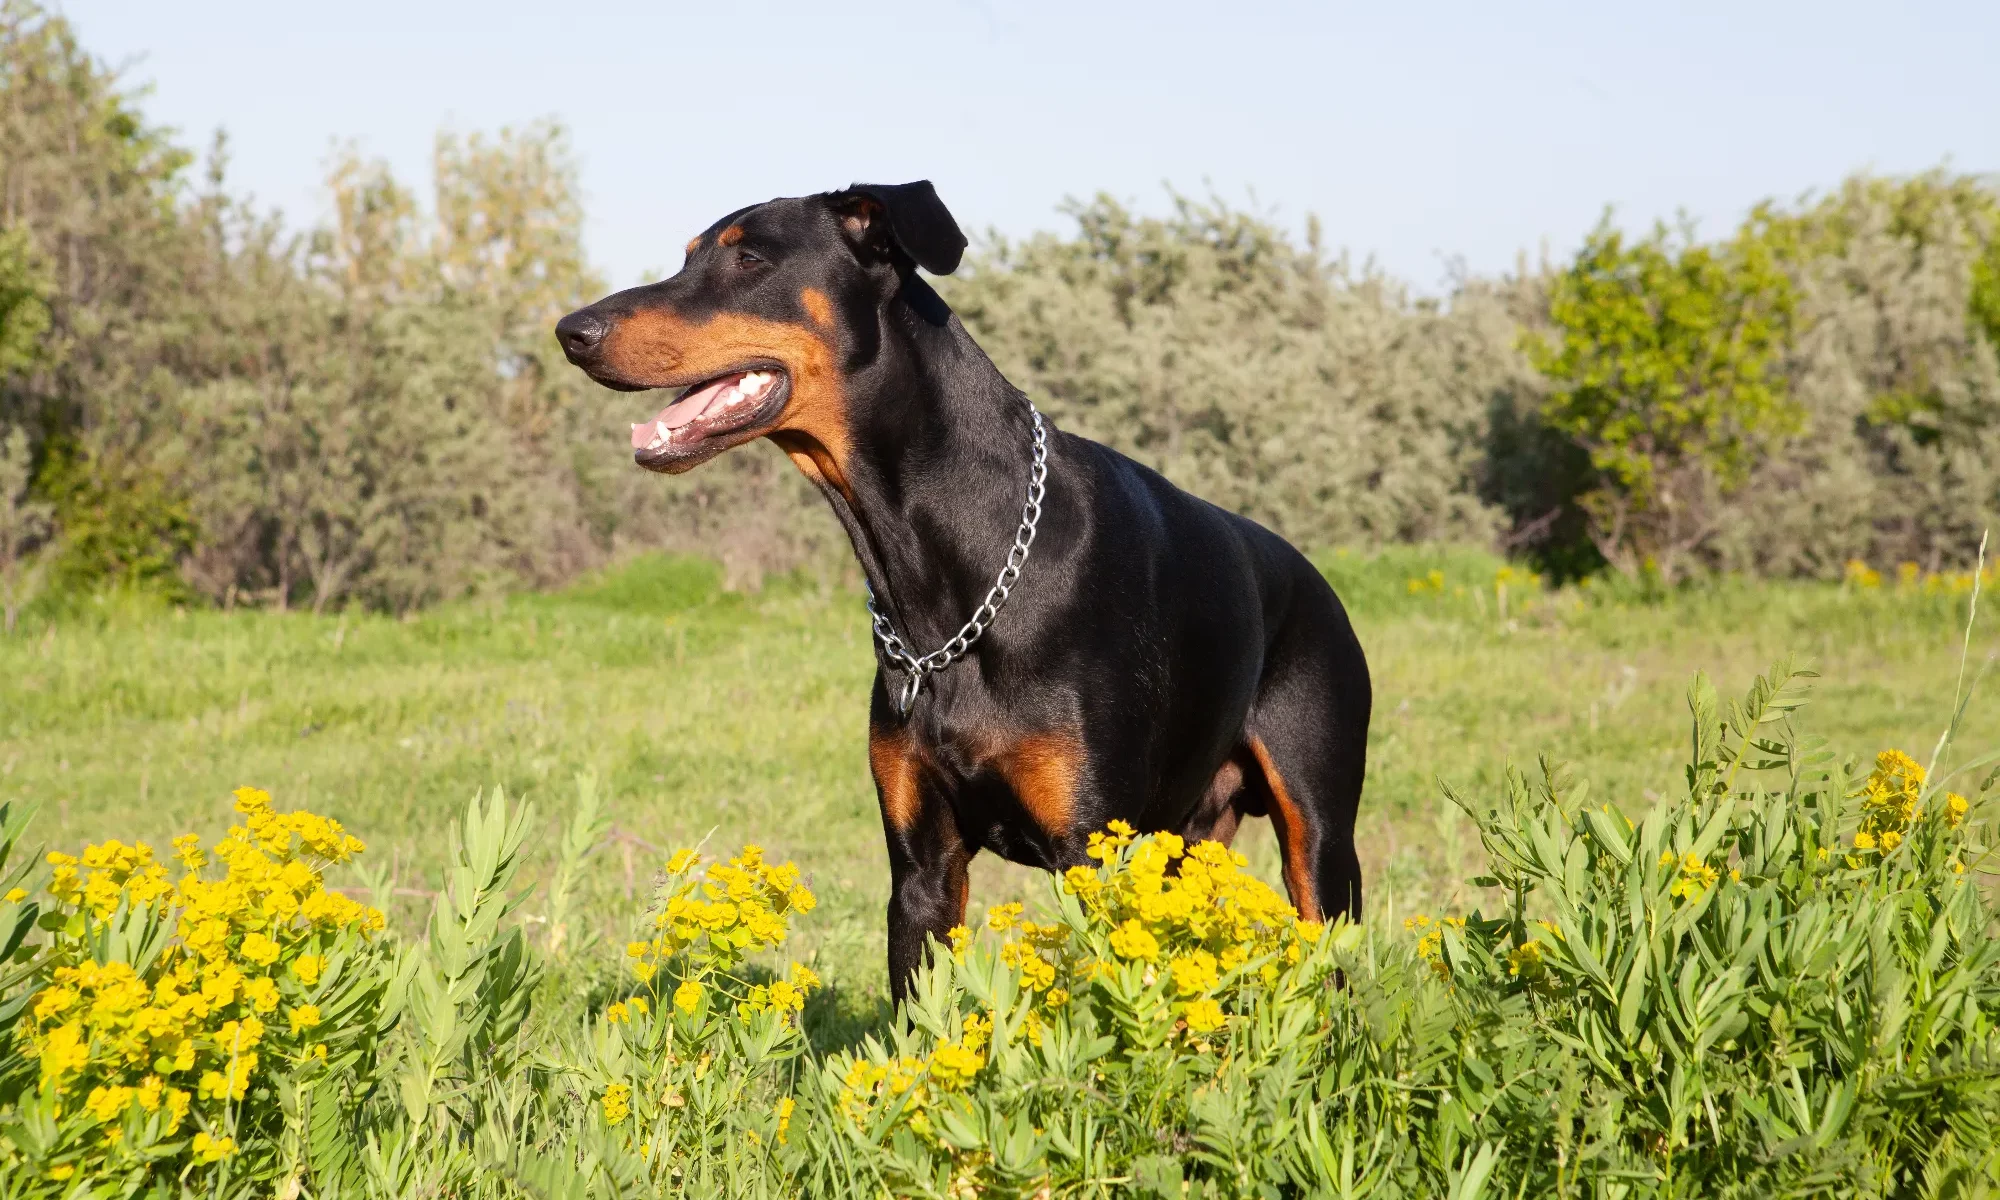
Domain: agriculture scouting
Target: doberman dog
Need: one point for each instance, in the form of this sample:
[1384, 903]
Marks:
[1158, 660]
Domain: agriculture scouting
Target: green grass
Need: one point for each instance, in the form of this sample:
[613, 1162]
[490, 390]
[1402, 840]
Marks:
[743, 717]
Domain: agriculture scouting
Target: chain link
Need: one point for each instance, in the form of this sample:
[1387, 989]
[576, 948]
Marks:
[918, 668]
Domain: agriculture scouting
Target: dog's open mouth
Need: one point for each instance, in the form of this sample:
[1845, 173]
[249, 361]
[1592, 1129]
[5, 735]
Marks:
[710, 409]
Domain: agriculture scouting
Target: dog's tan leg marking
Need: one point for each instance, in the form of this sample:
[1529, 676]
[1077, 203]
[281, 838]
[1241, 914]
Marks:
[1291, 825]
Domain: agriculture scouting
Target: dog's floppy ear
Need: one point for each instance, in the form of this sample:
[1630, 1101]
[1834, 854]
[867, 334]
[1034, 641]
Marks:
[908, 215]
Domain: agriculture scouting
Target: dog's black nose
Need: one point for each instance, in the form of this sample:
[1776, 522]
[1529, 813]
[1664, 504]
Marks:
[580, 333]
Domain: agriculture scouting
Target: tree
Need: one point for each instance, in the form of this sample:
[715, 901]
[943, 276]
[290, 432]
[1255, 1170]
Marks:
[24, 521]
[1667, 368]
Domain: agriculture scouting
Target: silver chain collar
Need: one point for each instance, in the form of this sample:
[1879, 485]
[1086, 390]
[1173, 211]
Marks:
[937, 660]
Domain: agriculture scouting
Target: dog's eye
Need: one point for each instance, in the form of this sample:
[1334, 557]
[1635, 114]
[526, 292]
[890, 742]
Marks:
[747, 259]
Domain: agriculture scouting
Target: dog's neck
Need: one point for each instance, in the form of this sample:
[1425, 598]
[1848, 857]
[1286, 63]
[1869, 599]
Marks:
[937, 473]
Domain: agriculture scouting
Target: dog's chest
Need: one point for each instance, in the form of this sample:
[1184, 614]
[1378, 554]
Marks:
[1016, 790]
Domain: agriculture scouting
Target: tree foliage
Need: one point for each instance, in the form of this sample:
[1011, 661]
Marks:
[1667, 368]
[219, 404]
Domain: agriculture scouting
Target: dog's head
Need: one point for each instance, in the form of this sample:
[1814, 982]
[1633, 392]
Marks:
[758, 328]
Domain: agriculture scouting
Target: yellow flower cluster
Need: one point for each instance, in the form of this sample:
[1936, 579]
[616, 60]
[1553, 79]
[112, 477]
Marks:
[1525, 961]
[867, 1084]
[617, 1103]
[1891, 802]
[625, 1010]
[918, 1082]
[781, 996]
[1190, 909]
[1911, 578]
[738, 907]
[1429, 582]
[1430, 940]
[1692, 878]
[1189, 916]
[191, 1031]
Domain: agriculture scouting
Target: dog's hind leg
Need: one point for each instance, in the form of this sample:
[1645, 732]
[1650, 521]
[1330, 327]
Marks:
[1308, 735]
[1234, 793]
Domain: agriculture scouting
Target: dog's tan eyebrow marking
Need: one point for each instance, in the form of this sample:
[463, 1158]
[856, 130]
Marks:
[729, 236]
[694, 243]
[817, 306]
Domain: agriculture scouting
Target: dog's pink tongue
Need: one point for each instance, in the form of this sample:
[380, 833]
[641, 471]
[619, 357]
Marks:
[688, 408]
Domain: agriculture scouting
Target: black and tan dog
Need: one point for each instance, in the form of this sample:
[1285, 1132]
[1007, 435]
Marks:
[1159, 660]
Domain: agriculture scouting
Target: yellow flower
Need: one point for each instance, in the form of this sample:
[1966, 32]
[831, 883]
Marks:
[1955, 808]
[1204, 1016]
[617, 1103]
[304, 1016]
[616, 1013]
[681, 861]
[787, 996]
[1864, 840]
[106, 1103]
[211, 1149]
[262, 993]
[1525, 961]
[1193, 973]
[259, 949]
[16, 895]
[308, 967]
[954, 1065]
[638, 1006]
[177, 1106]
[1696, 877]
[784, 1110]
[187, 848]
[1132, 940]
[687, 995]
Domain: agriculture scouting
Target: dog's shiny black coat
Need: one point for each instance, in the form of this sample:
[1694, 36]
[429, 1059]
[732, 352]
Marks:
[1160, 660]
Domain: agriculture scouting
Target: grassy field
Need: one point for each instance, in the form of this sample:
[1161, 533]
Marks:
[740, 718]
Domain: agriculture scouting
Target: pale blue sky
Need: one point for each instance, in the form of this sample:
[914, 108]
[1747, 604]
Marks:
[1416, 132]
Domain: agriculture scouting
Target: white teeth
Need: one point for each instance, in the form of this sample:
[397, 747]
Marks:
[664, 433]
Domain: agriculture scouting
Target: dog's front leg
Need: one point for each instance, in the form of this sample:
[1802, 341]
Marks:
[928, 856]
[927, 894]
